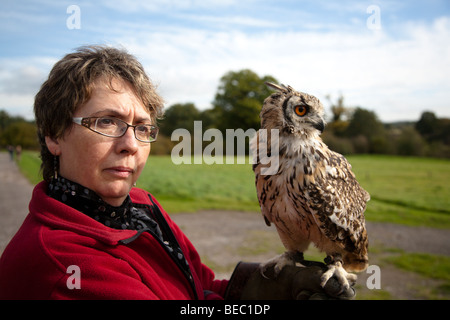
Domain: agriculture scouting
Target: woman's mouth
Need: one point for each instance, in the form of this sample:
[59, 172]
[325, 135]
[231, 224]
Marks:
[120, 172]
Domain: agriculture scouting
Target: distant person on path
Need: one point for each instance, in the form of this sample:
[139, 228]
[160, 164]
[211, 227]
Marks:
[90, 233]
[10, 149]
[18, 152]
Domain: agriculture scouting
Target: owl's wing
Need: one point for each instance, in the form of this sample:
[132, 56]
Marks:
[267, 191]
[263, 193]
[338, 202]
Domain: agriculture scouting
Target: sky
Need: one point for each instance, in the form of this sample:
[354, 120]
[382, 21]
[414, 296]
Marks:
[390, 57]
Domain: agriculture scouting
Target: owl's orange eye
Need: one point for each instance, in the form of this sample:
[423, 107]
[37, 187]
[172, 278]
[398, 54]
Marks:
[300, 110]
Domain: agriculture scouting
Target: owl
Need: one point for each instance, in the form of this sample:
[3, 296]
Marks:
[314, 196]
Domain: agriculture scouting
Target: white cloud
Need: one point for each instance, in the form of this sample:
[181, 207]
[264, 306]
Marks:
[18, 104]
[20, 80]
[224, 22]
[165, 5]
[396, 78]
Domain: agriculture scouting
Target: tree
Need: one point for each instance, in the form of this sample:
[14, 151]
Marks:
[20, 133]
[179, 116]
[339, 111]
[434, 129]
[410, 143]
[427, 125]
[239, 99]
[6, 119]
[15, 130]
[366, 123]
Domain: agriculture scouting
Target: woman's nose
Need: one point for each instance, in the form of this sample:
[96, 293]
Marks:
[128, 142]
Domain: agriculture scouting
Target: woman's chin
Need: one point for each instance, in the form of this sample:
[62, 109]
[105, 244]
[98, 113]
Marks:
[115, 194]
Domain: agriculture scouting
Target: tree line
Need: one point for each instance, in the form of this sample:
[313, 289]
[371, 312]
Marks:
[16, 131]
[350, 130]
[237, 104]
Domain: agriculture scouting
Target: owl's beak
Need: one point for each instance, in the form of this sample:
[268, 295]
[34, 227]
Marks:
[320, 125]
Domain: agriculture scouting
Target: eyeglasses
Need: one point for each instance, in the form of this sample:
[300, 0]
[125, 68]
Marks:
[116, 128]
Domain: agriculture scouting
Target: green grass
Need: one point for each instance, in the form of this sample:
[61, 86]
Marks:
[410, 191]
[404, 190]
[191, 187]
[29, 165]
[421, 183]
[429, 266]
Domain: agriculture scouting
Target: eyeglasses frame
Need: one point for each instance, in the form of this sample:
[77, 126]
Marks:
[86, 122]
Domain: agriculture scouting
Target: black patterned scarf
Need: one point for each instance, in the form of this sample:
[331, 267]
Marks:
[126, 216]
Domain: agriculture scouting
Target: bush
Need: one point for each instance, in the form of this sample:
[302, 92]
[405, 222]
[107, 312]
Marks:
[410, 143]
[337, 144]
[162, 146]
[360, 144]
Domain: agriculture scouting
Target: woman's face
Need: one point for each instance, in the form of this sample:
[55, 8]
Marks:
[108, 166]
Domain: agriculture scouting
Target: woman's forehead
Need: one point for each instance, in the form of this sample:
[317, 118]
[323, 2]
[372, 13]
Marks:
[114, 98]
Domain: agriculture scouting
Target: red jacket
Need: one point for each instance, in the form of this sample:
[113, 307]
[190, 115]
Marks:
[53, 237]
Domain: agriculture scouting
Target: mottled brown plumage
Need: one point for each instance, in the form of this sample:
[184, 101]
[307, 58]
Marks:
[314, 195]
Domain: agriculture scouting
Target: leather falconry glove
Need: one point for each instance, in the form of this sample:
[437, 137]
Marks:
[292, 283]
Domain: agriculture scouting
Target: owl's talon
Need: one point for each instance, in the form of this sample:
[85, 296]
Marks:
[277, 269]
[279, 262]
[261, 271]
[344, 278]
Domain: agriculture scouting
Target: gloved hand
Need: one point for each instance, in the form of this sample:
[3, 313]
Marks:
[292, 283]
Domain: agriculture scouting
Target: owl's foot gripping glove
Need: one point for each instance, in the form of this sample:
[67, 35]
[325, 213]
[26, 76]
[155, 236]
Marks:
[292, 283]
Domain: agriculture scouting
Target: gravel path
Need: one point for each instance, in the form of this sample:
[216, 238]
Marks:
[15, 194]
[207, 228]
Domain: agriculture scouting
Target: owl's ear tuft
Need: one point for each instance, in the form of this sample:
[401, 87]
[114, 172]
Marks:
[281, 88]
[274, 86]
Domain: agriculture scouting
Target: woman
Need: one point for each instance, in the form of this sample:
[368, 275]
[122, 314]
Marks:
[90, 234]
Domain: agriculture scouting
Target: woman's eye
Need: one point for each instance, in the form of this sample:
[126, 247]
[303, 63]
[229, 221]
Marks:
[143, 129]
[105, 122]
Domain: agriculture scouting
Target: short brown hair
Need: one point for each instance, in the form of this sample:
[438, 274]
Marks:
[69, 85]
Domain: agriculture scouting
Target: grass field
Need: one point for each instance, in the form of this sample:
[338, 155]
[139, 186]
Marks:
[404, 190]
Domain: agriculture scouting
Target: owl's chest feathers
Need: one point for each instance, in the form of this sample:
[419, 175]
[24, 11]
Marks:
[301, 163]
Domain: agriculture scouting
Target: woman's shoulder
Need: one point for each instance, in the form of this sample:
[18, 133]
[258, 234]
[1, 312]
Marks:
[140, 196]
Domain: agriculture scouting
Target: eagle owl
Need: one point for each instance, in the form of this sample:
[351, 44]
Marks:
[313, 196]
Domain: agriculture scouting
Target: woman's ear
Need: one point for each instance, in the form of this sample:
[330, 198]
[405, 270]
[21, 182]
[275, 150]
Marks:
[53, 145]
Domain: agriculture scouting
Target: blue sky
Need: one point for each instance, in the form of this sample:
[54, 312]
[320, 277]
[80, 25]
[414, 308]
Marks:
[392, 57]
